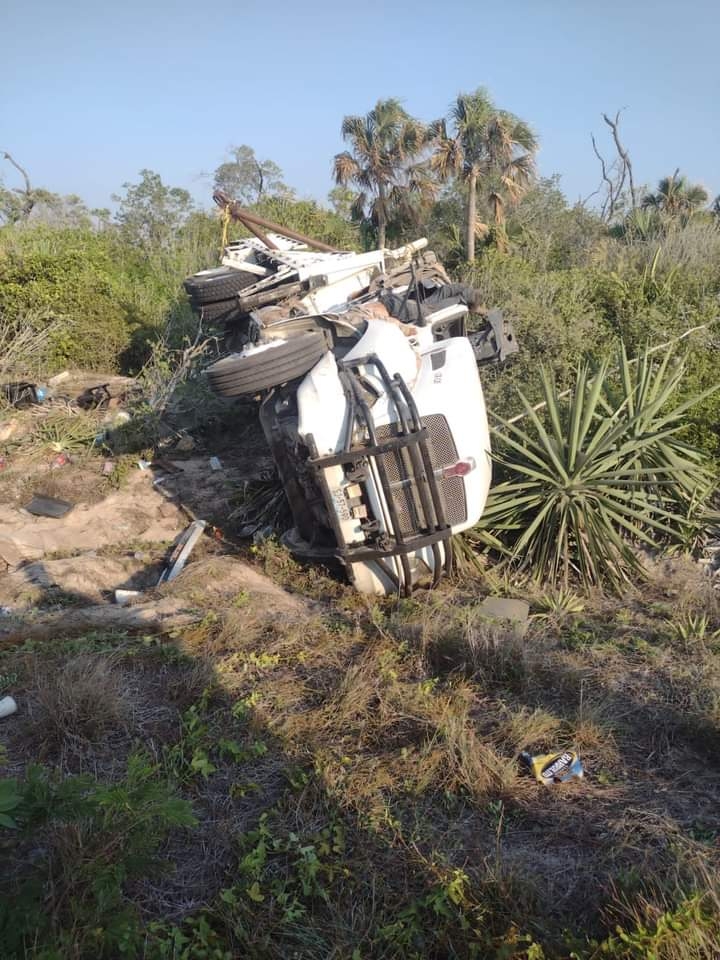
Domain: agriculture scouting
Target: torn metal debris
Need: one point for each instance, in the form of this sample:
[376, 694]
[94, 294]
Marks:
[182, 550]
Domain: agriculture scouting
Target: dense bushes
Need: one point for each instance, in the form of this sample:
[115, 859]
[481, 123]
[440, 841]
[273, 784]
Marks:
[573, 287]
[99, 300]
[106, 295]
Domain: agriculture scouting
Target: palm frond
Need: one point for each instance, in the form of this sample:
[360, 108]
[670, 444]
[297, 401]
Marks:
[597, 473]
[345, 168]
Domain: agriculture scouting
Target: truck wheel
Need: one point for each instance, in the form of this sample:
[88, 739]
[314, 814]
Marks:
[219, 311]
[266, 366]
[222, 283]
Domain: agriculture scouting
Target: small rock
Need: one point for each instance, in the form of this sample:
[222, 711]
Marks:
[502, 608]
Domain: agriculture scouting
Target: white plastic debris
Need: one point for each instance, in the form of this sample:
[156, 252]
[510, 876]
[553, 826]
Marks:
[123, 597]
[7, 707]
[215, 463]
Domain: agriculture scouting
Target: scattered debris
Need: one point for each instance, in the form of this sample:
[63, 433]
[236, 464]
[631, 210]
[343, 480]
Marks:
[41, 506]
[108, 468]
[220, 577]
[550, 768]
[7, 707]
[215, 463]
[60, 460]
[86, 578]
[182, 550]
[22, 393]
[123, 597]
[94, 397]
[58, 378]
[133, 513]
[167, 465]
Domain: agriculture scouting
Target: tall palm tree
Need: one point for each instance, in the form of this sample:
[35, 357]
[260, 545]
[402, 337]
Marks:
[385, 145]
[481, 144]
[675, 196]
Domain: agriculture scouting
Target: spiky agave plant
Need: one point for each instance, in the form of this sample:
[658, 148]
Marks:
[599, 471]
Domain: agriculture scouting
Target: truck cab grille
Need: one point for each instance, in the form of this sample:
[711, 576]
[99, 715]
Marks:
[400, 472]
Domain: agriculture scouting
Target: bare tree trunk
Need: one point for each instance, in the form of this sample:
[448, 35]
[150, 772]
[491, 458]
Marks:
[623, 154]
[381, 218]
[613, 188]
[471, 217]
[29, 201]
[261, 182]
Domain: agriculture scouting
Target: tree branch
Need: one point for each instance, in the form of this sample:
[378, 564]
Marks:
[29, 202]
[608, 207]
[622, 152]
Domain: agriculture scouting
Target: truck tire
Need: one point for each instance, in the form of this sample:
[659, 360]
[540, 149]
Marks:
[222, 283]
[219, 312]
[241, 375]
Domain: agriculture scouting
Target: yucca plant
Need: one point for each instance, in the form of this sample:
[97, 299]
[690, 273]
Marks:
[596, 473]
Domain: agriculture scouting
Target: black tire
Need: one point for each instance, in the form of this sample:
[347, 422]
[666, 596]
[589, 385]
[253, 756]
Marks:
[239, 376]
[218, 312]
[208, 286]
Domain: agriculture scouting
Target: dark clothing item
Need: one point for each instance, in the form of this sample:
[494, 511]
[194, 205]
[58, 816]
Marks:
[426, 299]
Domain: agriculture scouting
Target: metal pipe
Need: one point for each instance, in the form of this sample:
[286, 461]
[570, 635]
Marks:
[239, 213]
[258, 233]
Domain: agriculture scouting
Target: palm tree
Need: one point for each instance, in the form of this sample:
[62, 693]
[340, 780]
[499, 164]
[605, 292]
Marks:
[385, 143]
[676, 197]
[485, 146]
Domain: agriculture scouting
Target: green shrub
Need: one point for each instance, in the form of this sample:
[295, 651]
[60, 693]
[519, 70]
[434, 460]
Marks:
[75, 844]
[596, 471]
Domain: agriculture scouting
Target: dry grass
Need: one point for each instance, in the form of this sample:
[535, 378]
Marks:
[405, 721]
[80, 701]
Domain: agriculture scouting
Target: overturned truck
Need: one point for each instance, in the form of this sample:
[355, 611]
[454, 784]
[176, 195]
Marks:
[370, 395]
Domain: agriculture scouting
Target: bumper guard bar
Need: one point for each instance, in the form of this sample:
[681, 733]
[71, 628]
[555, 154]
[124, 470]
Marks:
[413, 438]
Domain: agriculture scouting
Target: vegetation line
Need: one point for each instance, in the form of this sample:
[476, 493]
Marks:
[566, 393]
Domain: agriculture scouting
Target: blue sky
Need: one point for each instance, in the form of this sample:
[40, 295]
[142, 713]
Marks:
[91, 92]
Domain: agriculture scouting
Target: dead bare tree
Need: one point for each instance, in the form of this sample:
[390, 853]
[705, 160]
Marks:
[28, 196]
[622, 153]
[614, 180]
[616, 173]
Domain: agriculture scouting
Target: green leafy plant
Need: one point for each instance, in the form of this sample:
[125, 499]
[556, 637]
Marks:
[557, 606]
[10, 800]
[91, 838]
[71, 433]
[602, 468]
[692, 630]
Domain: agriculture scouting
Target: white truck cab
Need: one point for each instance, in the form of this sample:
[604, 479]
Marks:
[377, 426]
[397, 448]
